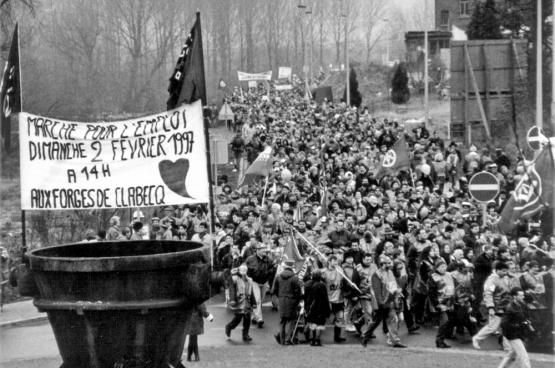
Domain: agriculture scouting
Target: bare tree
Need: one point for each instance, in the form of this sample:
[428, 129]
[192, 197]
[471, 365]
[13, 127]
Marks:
[374, 11]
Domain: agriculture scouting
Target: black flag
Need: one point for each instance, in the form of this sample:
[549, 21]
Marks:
[187, 82]
[10, 91]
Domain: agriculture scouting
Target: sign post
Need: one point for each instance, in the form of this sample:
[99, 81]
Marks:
[484, 187]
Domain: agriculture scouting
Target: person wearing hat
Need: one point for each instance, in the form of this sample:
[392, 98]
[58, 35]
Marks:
[288, 290]
[240, 296]
[137, 226]
[442, 294]
[261, 267]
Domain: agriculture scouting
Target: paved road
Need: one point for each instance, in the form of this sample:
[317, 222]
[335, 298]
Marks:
[35, 345]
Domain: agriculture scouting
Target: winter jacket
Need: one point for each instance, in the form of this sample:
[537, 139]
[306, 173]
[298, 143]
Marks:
[496, 293]
[317, 304]
[195, 319]
[288, 289]
[441, 291]
[260, 269]
[385, 288]
[240, 294]
[515, 323]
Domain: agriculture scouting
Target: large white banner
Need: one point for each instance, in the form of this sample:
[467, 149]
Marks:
[243, 77]
[284, 72]
[151, 161]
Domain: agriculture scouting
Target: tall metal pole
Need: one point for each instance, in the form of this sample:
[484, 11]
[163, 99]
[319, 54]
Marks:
[426, 107]
[311, 46]
[539, 95]
[387, 41]
[553, 73]
[348, 84]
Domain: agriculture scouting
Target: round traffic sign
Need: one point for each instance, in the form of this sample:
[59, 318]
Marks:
[535, 138]
[483, 187]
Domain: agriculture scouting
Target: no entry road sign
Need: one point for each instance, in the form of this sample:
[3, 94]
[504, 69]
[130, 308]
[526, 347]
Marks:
[483, 187]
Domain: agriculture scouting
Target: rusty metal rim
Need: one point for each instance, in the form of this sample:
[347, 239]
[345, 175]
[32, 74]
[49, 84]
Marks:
[118, 263]
[48, 304]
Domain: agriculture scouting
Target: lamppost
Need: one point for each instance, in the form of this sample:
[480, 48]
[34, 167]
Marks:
[426, 107]
[301, 6]
[387, 40]
[311, 43]
[348, 84]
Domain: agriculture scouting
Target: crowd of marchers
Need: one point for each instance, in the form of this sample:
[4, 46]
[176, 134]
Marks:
[412, 246]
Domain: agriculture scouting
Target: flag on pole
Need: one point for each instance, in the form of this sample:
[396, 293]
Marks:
[291, 251]
[260, 167]
[222, 84]
[396, 159]
[532, 194]
[10, 91]
[187, 82]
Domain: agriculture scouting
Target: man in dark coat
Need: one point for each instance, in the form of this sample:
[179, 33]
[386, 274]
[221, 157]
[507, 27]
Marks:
[288, 290]
[482, 270]
[317, 306]
[515, 325]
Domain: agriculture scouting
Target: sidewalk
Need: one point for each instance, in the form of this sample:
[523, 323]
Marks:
[20, 313]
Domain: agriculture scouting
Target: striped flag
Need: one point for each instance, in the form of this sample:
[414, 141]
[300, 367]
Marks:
[259, 168]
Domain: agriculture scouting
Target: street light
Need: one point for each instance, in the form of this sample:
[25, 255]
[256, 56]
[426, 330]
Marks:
[387, 41]
[345, 14]
[302, 6]
[426, 107]
[311, 44]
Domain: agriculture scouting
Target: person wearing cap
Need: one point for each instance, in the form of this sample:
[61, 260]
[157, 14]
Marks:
[137, 226]
[113, 232]
[288, 290]
[442, 295]
[388, 294]
[496, 298]
[240, 295]
[261, 267]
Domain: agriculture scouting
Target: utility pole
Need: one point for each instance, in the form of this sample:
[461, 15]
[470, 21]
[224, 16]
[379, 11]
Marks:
[311, 44]
[348, 84]
[553, 71]
[426, 107]
[539, 95]
[387, 41]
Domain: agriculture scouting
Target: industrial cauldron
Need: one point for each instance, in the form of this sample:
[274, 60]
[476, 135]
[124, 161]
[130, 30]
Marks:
[120, 304]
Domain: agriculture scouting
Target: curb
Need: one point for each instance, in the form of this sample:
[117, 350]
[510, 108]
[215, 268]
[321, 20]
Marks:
[23, 321]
